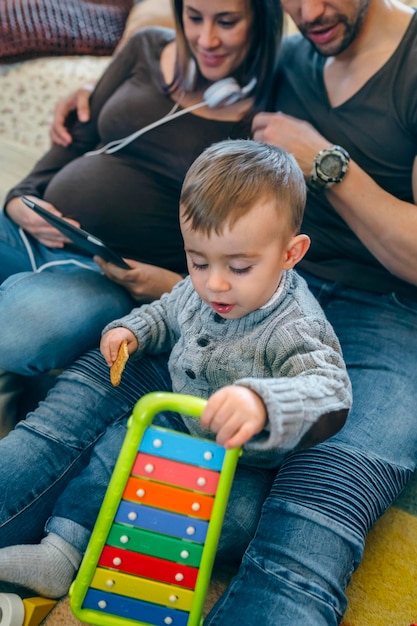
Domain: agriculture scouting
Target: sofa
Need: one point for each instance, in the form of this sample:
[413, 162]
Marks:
[31, 82]
[48, 48]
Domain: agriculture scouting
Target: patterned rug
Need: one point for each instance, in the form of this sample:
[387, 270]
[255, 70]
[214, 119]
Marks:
[30, 90]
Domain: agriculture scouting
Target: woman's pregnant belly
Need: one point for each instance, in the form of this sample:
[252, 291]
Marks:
[132, 210]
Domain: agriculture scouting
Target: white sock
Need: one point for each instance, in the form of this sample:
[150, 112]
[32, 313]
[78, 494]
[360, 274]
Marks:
[47, 567]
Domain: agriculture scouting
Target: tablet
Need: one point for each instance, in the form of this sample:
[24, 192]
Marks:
[86, 242]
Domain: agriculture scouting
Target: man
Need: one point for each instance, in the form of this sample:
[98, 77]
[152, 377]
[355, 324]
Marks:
[348, 80]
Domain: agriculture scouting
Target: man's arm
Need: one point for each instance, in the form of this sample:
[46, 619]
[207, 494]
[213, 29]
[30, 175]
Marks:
[386, 225]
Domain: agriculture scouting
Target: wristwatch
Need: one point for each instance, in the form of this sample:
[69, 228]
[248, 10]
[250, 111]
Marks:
[329, 167]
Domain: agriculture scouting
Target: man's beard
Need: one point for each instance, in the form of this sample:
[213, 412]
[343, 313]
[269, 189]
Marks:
[352, 30]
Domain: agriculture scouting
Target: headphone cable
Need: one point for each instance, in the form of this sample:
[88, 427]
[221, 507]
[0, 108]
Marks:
[118, 144]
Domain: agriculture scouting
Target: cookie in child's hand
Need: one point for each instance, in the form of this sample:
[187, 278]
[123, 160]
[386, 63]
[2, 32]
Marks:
[118, 366]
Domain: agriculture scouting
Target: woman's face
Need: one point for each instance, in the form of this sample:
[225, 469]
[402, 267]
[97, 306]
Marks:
[219, 34]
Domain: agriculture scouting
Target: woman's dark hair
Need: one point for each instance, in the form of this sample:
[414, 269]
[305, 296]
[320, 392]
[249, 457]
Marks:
[261, 61]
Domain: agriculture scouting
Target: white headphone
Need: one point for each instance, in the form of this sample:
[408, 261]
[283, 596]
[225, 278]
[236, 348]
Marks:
[226, 91]
[223, 92]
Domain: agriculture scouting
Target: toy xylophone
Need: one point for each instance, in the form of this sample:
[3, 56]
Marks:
[151, 553]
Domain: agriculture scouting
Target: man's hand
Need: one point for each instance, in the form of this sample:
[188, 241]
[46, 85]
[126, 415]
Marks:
[76, 101]
[296, 136]
[236, 414]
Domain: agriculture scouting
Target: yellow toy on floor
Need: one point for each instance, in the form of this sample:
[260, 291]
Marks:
[27, 612]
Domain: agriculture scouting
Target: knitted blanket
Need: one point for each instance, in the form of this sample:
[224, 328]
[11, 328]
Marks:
[37, 27]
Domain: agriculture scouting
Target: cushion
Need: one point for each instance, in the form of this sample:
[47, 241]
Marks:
[30, 28]
[29, 91]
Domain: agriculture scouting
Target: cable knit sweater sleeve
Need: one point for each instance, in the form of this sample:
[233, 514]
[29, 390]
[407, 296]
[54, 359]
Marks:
[156, 326]
[286, 352]
[312, 383]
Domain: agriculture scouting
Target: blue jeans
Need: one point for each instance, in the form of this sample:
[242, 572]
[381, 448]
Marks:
[323, 501]
[53, 445]
[66, 432]
[53, 303]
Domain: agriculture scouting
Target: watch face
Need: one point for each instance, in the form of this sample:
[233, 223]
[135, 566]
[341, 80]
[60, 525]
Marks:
[331, 166]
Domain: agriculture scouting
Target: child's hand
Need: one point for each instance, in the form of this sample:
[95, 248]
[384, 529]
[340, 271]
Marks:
[110, 343]
[236, 414]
